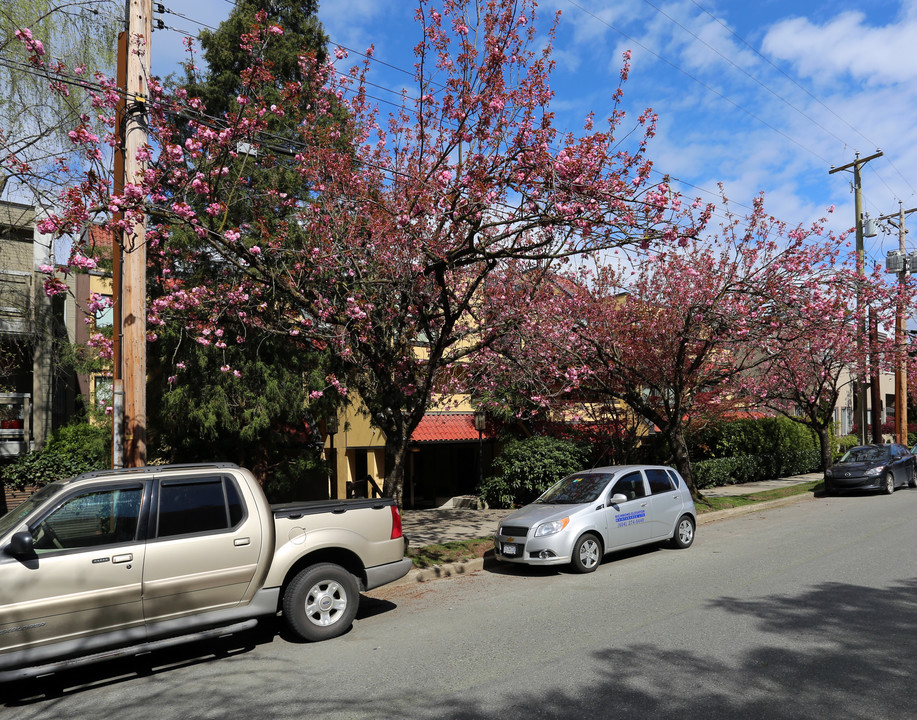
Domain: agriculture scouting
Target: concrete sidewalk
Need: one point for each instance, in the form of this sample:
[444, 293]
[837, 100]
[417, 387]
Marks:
[437, 526]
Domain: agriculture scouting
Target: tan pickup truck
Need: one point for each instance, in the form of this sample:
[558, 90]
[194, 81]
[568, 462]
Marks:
[119, 562]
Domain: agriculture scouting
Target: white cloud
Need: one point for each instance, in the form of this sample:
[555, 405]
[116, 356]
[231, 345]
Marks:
[846, 45]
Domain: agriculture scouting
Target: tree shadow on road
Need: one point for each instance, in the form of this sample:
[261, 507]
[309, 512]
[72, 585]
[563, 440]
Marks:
[838, 651]
[835, 650]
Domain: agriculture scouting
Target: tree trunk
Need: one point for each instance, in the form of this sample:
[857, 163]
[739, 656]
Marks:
[824, 441]
[396, 452]
[683, 461]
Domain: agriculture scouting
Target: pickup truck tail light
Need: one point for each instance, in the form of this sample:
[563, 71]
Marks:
[396, 523]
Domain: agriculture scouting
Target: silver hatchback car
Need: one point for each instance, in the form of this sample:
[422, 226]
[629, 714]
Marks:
[590, 513]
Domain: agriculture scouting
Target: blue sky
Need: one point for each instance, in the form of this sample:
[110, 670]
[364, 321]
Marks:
[762, 96]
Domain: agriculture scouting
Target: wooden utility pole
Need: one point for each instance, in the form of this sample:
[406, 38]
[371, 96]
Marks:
[133, 323]
[901, 327]
[861, 272]
[875, 393]
[117, 246]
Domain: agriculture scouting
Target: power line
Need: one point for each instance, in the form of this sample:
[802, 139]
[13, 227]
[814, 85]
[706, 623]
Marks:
[700, 82]
[807, 92]
[743, 71]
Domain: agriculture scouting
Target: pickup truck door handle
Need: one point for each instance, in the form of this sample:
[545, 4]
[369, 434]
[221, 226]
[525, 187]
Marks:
[127, 557]
[241, 542]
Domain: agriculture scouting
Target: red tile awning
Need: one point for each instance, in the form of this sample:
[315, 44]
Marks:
[447, 427]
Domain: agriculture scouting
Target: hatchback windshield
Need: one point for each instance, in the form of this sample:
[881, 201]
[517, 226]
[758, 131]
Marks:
[866, 454]
[575, 489]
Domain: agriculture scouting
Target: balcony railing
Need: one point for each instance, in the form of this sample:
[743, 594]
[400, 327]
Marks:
[15, 423]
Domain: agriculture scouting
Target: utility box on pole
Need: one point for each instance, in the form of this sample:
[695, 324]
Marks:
[900, 262]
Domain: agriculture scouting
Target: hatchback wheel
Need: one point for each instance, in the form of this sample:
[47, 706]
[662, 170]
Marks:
[587, 553]
[684, 533]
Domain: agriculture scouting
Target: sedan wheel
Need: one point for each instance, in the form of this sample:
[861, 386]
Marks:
[888, 483]
[912, 478]
[587, 553]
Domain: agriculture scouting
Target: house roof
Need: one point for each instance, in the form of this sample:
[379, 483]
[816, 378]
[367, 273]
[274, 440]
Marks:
[448, 427]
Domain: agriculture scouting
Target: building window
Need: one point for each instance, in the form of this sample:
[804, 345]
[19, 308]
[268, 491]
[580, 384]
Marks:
[845, 426]
[104, 312]
[103, 392]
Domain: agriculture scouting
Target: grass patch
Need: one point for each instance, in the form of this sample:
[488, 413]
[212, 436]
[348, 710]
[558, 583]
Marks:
[724, 503]
[456, 551]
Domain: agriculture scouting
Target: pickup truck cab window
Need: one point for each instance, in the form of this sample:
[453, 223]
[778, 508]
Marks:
[198, 505]
[91, 519]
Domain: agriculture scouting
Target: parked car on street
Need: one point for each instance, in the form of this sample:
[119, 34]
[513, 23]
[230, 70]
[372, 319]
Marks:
[590, 513]
[121, 562]
[872, 467]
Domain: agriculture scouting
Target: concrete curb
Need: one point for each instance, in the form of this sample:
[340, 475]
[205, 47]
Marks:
[436, 572]
[466, 567]
[754, 507]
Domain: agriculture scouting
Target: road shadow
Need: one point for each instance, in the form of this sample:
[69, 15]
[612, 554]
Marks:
[835, 651]
[499, 567]
[126, 669]
[113, 672]
[832, 650]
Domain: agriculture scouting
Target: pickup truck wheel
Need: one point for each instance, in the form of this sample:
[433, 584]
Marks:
[321, 602]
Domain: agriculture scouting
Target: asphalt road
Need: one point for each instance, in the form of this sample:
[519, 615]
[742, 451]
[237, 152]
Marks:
[804, 611]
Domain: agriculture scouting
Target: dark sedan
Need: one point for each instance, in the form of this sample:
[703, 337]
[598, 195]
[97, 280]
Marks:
[872, 467]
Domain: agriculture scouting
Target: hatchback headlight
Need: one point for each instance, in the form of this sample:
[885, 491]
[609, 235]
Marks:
[550, 528]
[874, 471]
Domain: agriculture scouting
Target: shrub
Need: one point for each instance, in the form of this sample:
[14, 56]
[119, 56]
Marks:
[71, 450]
[749, 450]
[845, 443]
[751, 468]
[526, 468]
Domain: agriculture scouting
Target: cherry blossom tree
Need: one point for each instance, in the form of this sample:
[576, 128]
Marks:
[672, 334]
[383, 251]
[816, 351]
[77, 39]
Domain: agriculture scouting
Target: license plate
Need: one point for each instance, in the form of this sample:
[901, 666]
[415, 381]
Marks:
[509, 549]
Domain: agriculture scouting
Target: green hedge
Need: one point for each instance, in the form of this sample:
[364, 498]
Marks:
[71, 450]
[750, 468]
[526, 468]
[749, 450]
[844, 444]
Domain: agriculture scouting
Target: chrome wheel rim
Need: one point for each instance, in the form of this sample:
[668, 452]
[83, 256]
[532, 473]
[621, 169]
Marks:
[326, 602]
[589, 554]
[685, 531]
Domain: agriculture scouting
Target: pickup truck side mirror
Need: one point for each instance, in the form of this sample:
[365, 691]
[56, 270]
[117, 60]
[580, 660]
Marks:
[22, 545]
[618, 498]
